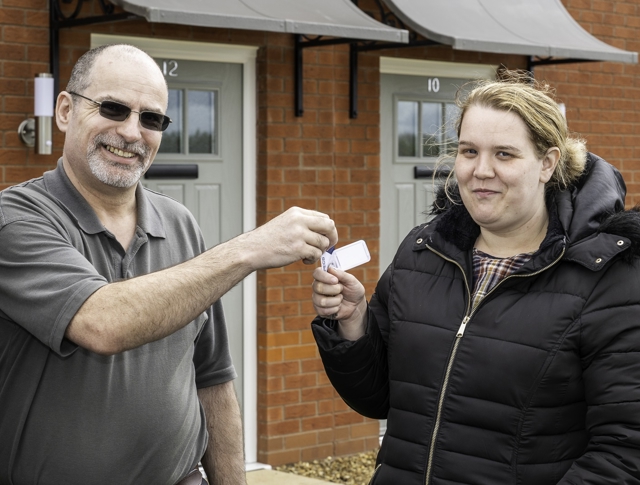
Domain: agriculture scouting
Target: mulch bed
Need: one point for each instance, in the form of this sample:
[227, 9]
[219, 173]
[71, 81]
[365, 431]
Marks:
[348, 470]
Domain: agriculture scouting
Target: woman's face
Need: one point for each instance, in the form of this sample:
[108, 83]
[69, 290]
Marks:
[501, 178]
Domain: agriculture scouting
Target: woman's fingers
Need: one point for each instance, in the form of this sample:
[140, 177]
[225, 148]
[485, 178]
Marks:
[336, 293]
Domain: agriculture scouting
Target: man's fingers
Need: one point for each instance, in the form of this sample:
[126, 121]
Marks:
[297, 234]
[313, 254]
[324, 228]
[331, 236]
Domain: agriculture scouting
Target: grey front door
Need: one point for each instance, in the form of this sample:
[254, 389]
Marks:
[201, 158]
[416, 127]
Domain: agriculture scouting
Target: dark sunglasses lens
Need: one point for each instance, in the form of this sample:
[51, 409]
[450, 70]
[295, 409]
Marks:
[154, 121]
[114, 111]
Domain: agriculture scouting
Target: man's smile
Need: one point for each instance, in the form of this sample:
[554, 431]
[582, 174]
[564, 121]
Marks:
[119, 152]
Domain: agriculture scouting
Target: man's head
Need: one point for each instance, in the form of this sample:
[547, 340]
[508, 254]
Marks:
[97, 148]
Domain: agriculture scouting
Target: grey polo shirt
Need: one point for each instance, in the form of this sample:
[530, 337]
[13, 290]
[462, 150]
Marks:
[68, 415]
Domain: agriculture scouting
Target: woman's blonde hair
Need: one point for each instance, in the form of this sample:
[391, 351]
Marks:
[534, 102]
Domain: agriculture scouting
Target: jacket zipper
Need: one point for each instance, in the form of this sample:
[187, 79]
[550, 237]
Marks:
[454, 351]
[375, 472]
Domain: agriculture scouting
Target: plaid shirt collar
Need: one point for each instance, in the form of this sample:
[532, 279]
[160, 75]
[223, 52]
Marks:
[488, 271]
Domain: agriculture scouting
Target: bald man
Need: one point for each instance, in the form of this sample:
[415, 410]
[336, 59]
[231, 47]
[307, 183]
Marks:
[114, 362]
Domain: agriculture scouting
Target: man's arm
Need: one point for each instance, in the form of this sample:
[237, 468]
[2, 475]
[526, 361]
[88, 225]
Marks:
[223, 461]
[127, 314]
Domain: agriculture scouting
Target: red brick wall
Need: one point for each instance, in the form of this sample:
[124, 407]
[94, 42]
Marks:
[24, 52]
[603, 98]
[327, 162]
[324, 161]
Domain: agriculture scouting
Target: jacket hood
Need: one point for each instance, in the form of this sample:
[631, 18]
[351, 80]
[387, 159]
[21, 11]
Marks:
[596, 195]
[594, 204]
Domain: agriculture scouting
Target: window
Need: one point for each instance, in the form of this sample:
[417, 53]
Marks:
[425, 129]
[194, 130]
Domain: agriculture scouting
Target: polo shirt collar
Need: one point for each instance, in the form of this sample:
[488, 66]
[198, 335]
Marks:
[60, 186]
[149, 219]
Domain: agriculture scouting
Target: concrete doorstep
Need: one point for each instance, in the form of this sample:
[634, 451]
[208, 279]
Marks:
[272, 477]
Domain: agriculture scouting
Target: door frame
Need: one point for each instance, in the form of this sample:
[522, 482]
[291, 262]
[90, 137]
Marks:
[245, 55]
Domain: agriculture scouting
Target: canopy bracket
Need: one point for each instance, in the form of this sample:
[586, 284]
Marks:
[532, 62]
[355, 47]
[59, 20]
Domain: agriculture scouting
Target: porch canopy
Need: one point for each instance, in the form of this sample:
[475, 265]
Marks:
[335, 18]
[541, 28]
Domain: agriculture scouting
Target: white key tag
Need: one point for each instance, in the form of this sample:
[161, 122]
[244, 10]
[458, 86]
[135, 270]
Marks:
[346, 257]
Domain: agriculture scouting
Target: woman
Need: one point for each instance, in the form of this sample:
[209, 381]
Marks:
[502, 342]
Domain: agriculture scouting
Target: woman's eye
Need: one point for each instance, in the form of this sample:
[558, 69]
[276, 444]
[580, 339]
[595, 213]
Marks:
[504, 155]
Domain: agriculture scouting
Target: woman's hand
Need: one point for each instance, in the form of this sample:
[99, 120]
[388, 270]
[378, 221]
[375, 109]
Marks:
[340, 296]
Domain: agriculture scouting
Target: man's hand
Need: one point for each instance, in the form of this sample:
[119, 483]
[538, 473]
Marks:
[297, 234]
[340, 296]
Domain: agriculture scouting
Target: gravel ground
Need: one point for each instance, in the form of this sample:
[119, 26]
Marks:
[348, 470]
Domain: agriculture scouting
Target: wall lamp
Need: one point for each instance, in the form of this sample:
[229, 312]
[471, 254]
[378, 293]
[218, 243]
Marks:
[38, 132]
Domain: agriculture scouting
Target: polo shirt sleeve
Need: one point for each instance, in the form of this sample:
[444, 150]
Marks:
[44, 279]
[211, 358]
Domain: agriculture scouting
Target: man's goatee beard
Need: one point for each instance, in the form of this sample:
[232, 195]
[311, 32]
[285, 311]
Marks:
[112, 173]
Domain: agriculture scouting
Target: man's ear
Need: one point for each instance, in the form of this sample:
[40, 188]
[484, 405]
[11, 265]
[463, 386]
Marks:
[64, 108]
[549, 164]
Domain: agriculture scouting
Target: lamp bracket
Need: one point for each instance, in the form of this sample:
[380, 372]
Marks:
[27, 132]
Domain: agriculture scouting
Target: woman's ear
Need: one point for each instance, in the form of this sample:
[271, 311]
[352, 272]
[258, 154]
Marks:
[549, 164]
[64, 107]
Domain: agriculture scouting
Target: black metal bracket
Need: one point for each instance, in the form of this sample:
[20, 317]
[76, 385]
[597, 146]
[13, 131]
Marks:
[59, 20]
[298, 64]
[532, 62]
[355, 47]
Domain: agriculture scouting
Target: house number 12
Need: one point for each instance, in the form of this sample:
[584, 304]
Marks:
[170, 68]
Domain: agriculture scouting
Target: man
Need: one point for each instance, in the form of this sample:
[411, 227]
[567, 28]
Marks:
[114, 364]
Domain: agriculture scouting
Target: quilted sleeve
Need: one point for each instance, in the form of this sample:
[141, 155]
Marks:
[356, 369]
[610, 352]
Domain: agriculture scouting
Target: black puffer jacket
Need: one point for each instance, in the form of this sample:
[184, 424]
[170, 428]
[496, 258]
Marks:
[538, 385]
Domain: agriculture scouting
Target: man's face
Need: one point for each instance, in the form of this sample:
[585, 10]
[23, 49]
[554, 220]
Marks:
[116, 153]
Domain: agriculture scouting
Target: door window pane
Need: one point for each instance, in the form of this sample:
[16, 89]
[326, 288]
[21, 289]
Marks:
[202, 122]
[407, 128]
[172, 136]
[431, 129]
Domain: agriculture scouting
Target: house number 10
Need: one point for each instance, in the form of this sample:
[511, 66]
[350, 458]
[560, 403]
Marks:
[434, 85]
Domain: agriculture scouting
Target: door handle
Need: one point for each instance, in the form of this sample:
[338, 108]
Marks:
[172, 171]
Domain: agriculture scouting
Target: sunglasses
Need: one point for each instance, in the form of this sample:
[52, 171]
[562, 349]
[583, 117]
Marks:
[119, 112]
